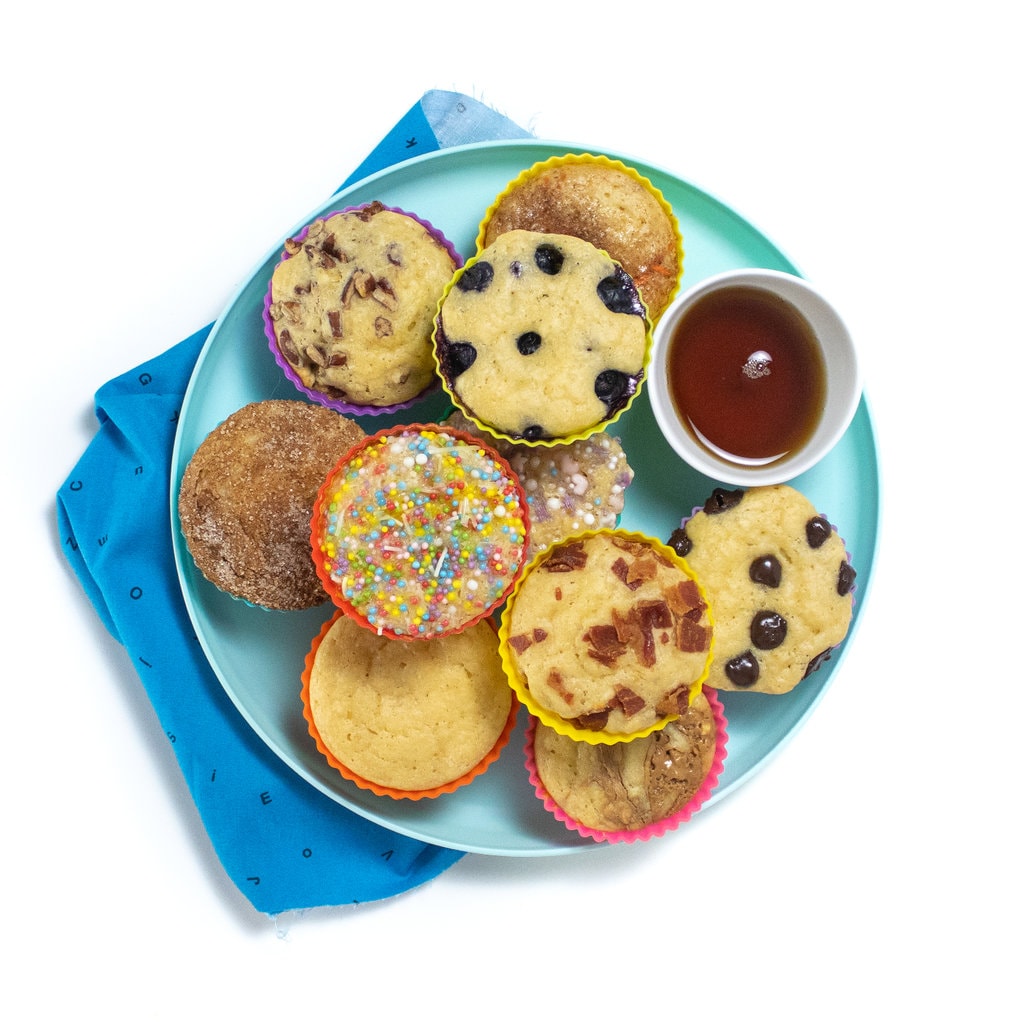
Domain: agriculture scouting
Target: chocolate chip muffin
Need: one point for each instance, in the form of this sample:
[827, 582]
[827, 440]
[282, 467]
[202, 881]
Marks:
[779, 579]
[542, 337]
[607, 633]
[350, 308]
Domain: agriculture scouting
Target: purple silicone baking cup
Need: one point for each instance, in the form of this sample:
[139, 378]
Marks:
[337, 404]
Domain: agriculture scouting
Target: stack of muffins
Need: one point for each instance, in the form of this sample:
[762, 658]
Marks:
[475, 565]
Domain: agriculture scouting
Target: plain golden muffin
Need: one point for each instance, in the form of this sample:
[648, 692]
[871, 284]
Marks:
[247, 496]
[409, 717]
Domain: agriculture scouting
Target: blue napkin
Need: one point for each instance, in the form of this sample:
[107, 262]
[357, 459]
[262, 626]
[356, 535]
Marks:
[284, 844]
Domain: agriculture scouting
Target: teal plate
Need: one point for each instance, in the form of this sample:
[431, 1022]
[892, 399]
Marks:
[258, 655]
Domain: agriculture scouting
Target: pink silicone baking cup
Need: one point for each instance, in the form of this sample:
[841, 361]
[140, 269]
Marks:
[389, 791]
[337, 404]
[321, 507]
[657, 828]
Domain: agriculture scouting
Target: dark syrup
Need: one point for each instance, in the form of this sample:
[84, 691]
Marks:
[746, 375]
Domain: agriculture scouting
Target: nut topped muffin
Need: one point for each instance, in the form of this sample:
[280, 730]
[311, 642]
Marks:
[350, 308]
[542, 338]
[607, 636]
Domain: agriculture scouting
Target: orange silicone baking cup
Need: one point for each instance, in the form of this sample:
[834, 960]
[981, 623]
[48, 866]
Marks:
[321, 507]
[368, 784]
[520, 686]
[604, 161]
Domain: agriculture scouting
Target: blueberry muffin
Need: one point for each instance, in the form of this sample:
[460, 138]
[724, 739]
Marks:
[542, 337]
[247, 495]
[609, 633]
[779, 579]
[350, 308]
[608, 204]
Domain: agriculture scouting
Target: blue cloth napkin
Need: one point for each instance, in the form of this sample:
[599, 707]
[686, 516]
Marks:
[284, 844]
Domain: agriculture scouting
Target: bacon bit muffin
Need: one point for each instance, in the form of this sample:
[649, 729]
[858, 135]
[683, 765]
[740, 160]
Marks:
[607, 636]
[349, 312]
[610, 205]
[248, 492]
[780, 581]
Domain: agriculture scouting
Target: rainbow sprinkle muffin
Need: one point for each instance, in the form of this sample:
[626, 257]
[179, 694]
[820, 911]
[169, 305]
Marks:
[420, 531]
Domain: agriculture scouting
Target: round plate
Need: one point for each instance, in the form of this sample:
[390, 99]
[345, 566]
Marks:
[258, 655]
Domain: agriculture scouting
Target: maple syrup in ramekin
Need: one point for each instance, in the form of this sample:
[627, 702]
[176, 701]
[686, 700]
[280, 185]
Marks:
[746, 375]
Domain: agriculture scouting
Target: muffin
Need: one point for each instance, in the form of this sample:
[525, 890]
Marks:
[420, 531]
[607, 203]
[247, 494]
[407, 724]
[779, 579]
[576, 486]
[607, 636]
[541, 338]
[624, 792]
[349, 311]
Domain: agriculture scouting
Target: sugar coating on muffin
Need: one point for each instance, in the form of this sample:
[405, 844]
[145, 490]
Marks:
[542, 336]
[628, 786]
[779, 579]
[608, 204]
[247, 494]
[351, 305]
[608, 632]
[573, 487]
[420, 531]
[408, 718]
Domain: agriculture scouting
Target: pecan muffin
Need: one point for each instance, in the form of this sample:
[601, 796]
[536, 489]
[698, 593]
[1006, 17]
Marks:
[349, 311]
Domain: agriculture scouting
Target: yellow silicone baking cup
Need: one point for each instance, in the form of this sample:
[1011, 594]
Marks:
[604, 161]
[520, 686]
[546, 442]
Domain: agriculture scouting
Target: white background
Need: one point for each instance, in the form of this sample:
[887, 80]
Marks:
[872, 871]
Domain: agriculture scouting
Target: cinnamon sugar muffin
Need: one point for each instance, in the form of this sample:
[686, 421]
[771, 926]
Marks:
[607, 203]
[247, 495]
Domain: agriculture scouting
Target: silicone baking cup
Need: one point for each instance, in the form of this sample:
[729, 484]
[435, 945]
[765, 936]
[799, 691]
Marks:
[341, 405]
[520, 686]
[657, 828]
[374, 787]
[599, 160]
[420, 531]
